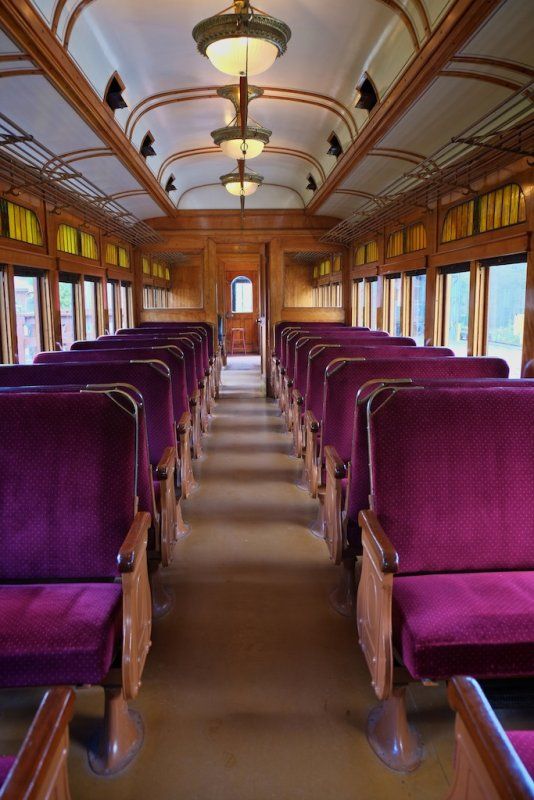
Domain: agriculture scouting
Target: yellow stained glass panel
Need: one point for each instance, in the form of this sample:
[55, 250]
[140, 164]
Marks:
[67, 239]
[123, 257]
[23, 225]
[111, 254]
[146, 266]
[89, 246]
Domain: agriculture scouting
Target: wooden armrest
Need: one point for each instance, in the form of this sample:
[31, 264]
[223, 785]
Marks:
[485, 756]
[166, 464]
[41, 761]
[290, 383]
[282, 370]
[184, 423]
[193, 400]
[381, 549]
[134, 546]
[311, 421]
[297, 397]
[374, 605]
[337, 466]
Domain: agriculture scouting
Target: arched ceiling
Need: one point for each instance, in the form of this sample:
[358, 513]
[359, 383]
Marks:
[309, 93]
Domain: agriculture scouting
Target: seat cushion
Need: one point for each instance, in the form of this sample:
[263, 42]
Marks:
[523, 743]
[6, 762]
[58, 633]
[479, 624]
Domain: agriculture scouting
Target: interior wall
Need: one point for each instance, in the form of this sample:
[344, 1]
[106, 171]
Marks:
[298, 285]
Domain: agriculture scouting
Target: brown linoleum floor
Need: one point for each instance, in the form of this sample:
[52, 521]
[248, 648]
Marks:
[254, 688]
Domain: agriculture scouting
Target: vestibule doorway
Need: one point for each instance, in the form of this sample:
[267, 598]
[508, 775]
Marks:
[242, 307]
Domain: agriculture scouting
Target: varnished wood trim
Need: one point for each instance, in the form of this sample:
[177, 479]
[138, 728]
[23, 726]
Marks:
[398, 9]
[17, 73]
[6, 57]
[463, 19]
[72, 21]
[499, 63]
[506, 83]
[402, 155]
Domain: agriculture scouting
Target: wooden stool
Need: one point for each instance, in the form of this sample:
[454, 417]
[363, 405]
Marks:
[238, 337]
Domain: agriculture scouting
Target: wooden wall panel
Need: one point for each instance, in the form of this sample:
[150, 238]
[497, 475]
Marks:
[298, 285]
[187, 283]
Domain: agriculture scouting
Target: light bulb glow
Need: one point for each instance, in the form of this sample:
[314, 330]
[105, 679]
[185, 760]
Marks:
[242, 55]
[234, 187]
[233, 148]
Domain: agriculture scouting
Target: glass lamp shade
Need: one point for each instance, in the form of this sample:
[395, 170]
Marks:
[234, 187]
[242, 55]
[233, 148]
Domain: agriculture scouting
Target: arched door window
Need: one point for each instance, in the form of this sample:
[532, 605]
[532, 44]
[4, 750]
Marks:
[242, 302]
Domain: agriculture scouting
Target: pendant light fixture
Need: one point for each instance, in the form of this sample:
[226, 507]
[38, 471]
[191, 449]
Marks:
[241, 183]
[246, 42]
[237, 140]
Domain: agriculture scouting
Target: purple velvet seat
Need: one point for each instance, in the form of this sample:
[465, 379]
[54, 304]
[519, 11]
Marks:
[151, 379]
[347, 337]
[208, 327]
[157, 332]
[486, 371]
[64, 633]
[178, 338]
[452, 477]
[322, 355]
[171, 357]
[523, 743]
[467, 623]
[280, 327]
[184, 344]
[63, 519]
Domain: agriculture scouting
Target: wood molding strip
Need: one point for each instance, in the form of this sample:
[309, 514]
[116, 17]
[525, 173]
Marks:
[499, 63]
[402, 13]
[72, 21]
[17, 73]
[480, 76]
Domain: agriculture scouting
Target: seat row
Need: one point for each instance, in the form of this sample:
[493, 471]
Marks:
[103, 438]
[423, 465]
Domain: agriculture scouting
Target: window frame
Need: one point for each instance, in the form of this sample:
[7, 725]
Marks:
[43, 309]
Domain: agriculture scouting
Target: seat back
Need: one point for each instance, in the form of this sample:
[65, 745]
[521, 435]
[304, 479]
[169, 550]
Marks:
[461, 372]
[152, 379]
[280, 327]
[208, 327]
[452, 476]
[307, 342]
[172, 357]
[348, 335]
[322, 355]
[184, 343]
[198, 338]
[67, 483]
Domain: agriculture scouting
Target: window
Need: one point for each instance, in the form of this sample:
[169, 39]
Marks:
[358, 288]
[75, 242]
[497, 209]
[456, 309]
[126, 305]
[117, 256]
[28, 315]
[5, 332]
[19, 223]
[148, 297]
[67, 306]
[506, 312]
[112, 306]
[242, 300]
[146, 265]
[91, 308]
[394, 294]
[417, 306]
[366, 253]
[371, 298]
[406, 240]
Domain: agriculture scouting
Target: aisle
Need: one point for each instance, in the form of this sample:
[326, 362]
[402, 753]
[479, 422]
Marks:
[254, 688]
